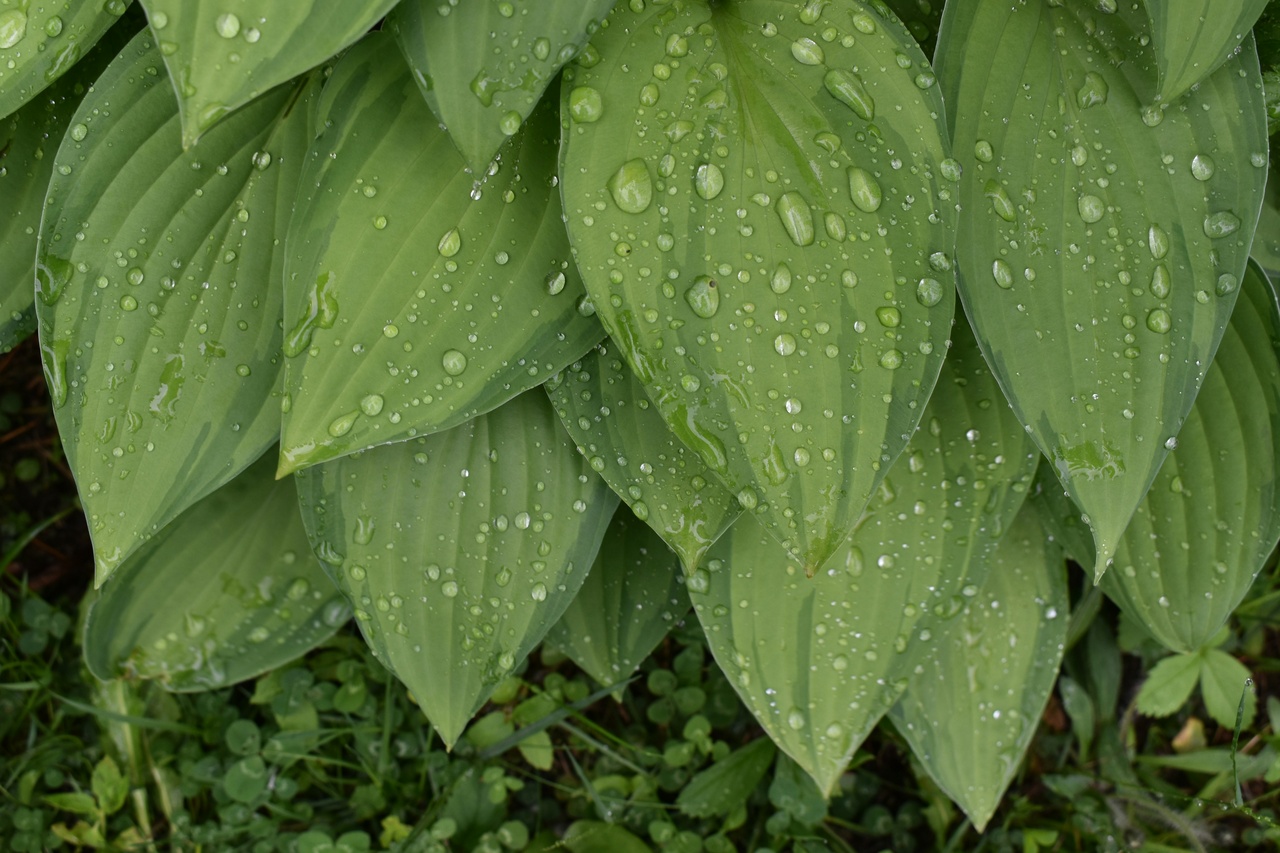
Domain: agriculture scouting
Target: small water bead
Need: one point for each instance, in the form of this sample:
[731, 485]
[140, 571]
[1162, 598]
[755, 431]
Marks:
[889, 316]
[1221, 224]
[1159, 321]
[703, 296]
[951, 170]
[1258, 159]
[453, 362]
[227, 25]
[510, 123]
[864, 190]
[784, 344]
[1202, 167]
[848, 88]
[708, 181]
[380, 222]
[795, 719]
[1091, 208]
[982, 151]
[371, 404]
[585, 105]
[128, 303]
[891, 359]
[449, 589]
[929, 292]
[342, 424]
[53, 27]
[78, 132]
[450, 243]
[1226, 284]
[807, 52]
[631, 187]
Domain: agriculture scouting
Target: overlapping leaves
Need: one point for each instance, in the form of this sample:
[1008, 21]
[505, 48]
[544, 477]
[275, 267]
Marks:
[1192, 39]
[763, 224]
[159, 295]
[1105, 238]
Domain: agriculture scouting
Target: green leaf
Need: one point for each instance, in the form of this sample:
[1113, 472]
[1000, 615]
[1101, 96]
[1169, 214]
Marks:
[227, 591]
[1060, 517]
[1193, 38]
[483, 96]
[594, 836]
[158, 282]
[763, 221]
[109, 785]
[76, 803]
[604, 407]
[418, 297]
[461, 549]
[537, 750]
[1105, 240]
[1169, 685]
[1266, 242]
[246, 779]
[969, 717]
[725, 785]
[40, 42]
[1212, 517]
[922, 19]
[819, 660]
[793, 792]
[28, 139]
[631, 597]
[221, 54]
[1223, 680]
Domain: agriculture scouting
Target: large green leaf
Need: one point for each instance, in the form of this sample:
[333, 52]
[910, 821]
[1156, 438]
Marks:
[603, 406]
[222, 54]
[227, 591]
[760, 206]
[28, 140]
[629, 601]
[159, 296]
[1104, 240]
[970, 715]
[416, 296]
[818, 661]
[1266, 242]
[1192, 38]
[1212, 517]
[459, 550]
[39, 42]
[482, 66]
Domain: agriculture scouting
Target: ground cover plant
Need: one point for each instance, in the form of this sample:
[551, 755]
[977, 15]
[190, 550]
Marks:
[497, 325]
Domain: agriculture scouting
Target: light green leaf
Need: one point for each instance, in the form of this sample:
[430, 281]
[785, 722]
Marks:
[604, 407]
[227, 591]
[221, 54]
[1193, 38]
[1223, 680]
[28, 139]
[39, 42]
[109, 786]
[537, 750]
[1212, 517]
[819, 660]
[76, 803]
[1169, 685]
[483, 95]
[158, 282]
[629, 601]
[461, 549]
[1060, 517]
[594, 836]
[725, 785]
[763, 219]
[970, 716]
[418, 297]
[1105, 241]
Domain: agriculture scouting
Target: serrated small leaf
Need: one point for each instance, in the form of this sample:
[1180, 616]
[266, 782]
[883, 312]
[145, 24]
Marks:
[29, 139]
[418, 296]
[631, 598]
[819, 660]
[1192, 38]
[459, 550]
[158, 284]
[227, 591]
[1105, 239]
[1223, 681]
[761, 210]
[1169, 685]
[221, 54]
[969, 717]
[667, 485]
[40, 42]
[725, 785]
[483, 96]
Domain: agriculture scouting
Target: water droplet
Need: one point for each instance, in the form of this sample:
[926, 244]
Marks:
[1093, 92]
[784, 344]
[1226, 284]
[1159, 321]
[1000, 201]
[13, 27]
[1160, 281]
[342, 424]
[889, 316]
[1171, 443]
[703, 297]
[53, 27]
[555, 283]
[379, 222]
[450, 243]
[1002, 273]
[708, 180]
[865, 190]
[631, 187]
[929, 292]
[128, 303]
[982, 151]
[1220, 224]
[372, 404]
[781, 280]
[863, 22]
[848, 88]
[453, 362]
[510, 123]
[796, 218]
[891, 359]
[227, 25]
[1090, 208]
[449, 589]
[795, 719]
[1202, 167]
[807, 52]
[539, 592]
[1158, 242]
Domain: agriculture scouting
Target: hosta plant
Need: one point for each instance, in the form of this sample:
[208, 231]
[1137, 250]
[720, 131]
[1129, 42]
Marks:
[490, 321]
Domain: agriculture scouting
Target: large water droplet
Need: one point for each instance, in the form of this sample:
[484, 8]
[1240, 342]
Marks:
[781, 280]
[1158, 242]
[631, 187]
[1000, 201]
[703, 297]
[1002, 273]
[13, 27]
[1093, 92]
[450, 243]
[807, 52]
[929, 292]
[784, 344]
[796, 218]
[708, 180]
[453, 362]
[1160, 281]
[848, 88]
[865, 190]
[585, 105]
[1090, 208]
[1202, 167]
[227, 25]
[1159, 321]
[1220, 224]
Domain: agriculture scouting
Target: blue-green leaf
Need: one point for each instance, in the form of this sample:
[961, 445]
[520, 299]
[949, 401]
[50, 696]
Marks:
[1192, 38]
